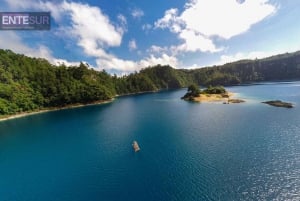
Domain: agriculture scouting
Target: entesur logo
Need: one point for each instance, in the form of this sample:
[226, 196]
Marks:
[25, 21]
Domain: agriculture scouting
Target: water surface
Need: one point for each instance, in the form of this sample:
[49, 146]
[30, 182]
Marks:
[189, 151]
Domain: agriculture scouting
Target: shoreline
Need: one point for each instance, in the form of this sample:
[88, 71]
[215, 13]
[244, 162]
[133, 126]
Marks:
[137, 93]
[51, 109]
[76, 105]
[212, 98]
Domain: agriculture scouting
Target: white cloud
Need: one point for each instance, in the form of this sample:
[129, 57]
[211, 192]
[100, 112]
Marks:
[115, 63]
[65, 62]
[137, 13]
[202, 20]
[194, 66]
[226, 18]
[164, 59]
[241, 56]
[132, 45]
[91, 30]
[170, 21]
[129, 66]
[10, 40]
[56, 11]
[194, 42]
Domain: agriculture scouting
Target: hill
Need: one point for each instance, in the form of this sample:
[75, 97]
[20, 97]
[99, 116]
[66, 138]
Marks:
[275, 68]
[31, 84]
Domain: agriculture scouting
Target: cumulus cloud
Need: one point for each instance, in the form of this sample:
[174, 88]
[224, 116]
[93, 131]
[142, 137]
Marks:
[164, 59]
[202, 20]
[127, 66]
[194, 41]
[225, 18]
[170, 20]
[90, 29]
[114, 63]
[132, 45]
[89, 26]
[10, 40]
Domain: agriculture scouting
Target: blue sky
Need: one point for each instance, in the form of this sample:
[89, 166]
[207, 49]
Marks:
[122, 36]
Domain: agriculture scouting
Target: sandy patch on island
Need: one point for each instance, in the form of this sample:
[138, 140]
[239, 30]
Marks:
[213, 97]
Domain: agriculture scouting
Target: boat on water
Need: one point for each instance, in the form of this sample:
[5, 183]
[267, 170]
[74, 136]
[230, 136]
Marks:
[135, 146]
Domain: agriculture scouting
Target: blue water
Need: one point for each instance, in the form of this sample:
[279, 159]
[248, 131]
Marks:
[189, 151]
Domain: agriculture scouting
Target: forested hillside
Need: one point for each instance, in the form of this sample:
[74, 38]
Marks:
[275, 68]
[28, 84]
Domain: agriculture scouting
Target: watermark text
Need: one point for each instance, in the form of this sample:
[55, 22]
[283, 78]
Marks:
[25, 21]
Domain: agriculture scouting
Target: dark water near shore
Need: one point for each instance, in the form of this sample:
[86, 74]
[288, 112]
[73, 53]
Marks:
[189, 151]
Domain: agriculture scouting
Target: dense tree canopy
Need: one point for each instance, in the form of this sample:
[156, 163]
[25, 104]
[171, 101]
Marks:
[192, 91]
[214, 90]
[28, 84]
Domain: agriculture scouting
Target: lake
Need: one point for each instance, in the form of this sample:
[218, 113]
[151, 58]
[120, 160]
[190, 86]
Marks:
[189, 151]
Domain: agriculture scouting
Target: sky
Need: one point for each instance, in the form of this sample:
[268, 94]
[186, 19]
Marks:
[123, 36]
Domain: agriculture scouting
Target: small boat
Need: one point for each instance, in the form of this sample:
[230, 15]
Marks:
[135, 146]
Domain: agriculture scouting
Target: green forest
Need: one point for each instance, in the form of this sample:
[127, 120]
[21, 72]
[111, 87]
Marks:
[31, 84]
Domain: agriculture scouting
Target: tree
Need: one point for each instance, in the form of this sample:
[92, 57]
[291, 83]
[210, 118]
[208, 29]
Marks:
[194, 90]
[215, 90]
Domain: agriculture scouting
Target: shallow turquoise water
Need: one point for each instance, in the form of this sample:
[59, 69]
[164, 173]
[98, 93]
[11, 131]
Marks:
[189, 151]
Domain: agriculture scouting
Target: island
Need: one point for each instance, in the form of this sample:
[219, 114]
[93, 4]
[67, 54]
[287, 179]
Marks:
[210, 94]
[279, 103]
